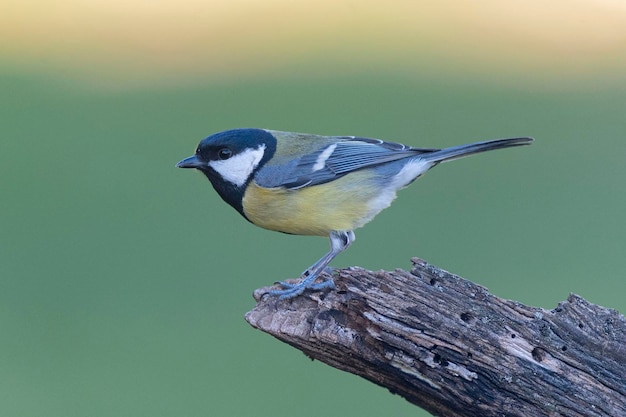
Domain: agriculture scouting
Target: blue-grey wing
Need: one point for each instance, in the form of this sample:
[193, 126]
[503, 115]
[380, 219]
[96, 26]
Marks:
[334, 160]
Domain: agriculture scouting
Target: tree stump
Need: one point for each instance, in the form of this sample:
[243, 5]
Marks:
[449, 346]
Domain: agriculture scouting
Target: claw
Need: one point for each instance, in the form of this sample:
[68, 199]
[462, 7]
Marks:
[286, 284]
[293, 290]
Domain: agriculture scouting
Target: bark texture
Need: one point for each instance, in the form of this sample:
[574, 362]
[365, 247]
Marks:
[449, 346]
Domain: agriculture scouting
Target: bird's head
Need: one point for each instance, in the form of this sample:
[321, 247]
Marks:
[230, 159]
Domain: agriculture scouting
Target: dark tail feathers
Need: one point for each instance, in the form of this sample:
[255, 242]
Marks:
[456, 152]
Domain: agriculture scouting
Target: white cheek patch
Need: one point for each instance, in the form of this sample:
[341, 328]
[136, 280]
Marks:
[321, 160]
[238, 168]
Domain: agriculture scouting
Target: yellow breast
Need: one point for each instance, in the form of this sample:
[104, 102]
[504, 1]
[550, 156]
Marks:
[343, 204]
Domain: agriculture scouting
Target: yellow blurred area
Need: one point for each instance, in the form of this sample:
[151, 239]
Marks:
[187, 39]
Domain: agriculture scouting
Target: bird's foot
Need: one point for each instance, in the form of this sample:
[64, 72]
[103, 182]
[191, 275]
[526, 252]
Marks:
[291, 290]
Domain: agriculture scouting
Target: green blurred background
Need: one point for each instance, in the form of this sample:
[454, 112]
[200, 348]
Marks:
[124, 281]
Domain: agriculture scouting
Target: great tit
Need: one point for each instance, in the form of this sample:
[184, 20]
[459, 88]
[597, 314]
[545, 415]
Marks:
[316, 185]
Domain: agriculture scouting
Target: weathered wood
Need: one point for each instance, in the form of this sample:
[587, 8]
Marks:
[452, 348]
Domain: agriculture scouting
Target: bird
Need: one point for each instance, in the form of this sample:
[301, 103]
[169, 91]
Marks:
[307, 184]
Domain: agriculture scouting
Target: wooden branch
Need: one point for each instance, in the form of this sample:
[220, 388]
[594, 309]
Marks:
[452, 348]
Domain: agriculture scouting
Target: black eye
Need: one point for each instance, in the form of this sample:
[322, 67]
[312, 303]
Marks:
[224, 153]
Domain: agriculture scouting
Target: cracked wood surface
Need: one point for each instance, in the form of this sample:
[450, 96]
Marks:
[452, 348]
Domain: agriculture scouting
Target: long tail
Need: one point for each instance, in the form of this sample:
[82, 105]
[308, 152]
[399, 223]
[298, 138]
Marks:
[456, 152]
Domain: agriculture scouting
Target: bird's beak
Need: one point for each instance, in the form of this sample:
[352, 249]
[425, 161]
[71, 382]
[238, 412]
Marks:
[191, 162]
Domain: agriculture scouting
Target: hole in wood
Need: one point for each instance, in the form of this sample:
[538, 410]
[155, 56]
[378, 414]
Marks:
[438, 359]
[539, 354]
[467, 316]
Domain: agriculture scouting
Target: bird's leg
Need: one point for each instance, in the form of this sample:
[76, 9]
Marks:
[339, 241]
